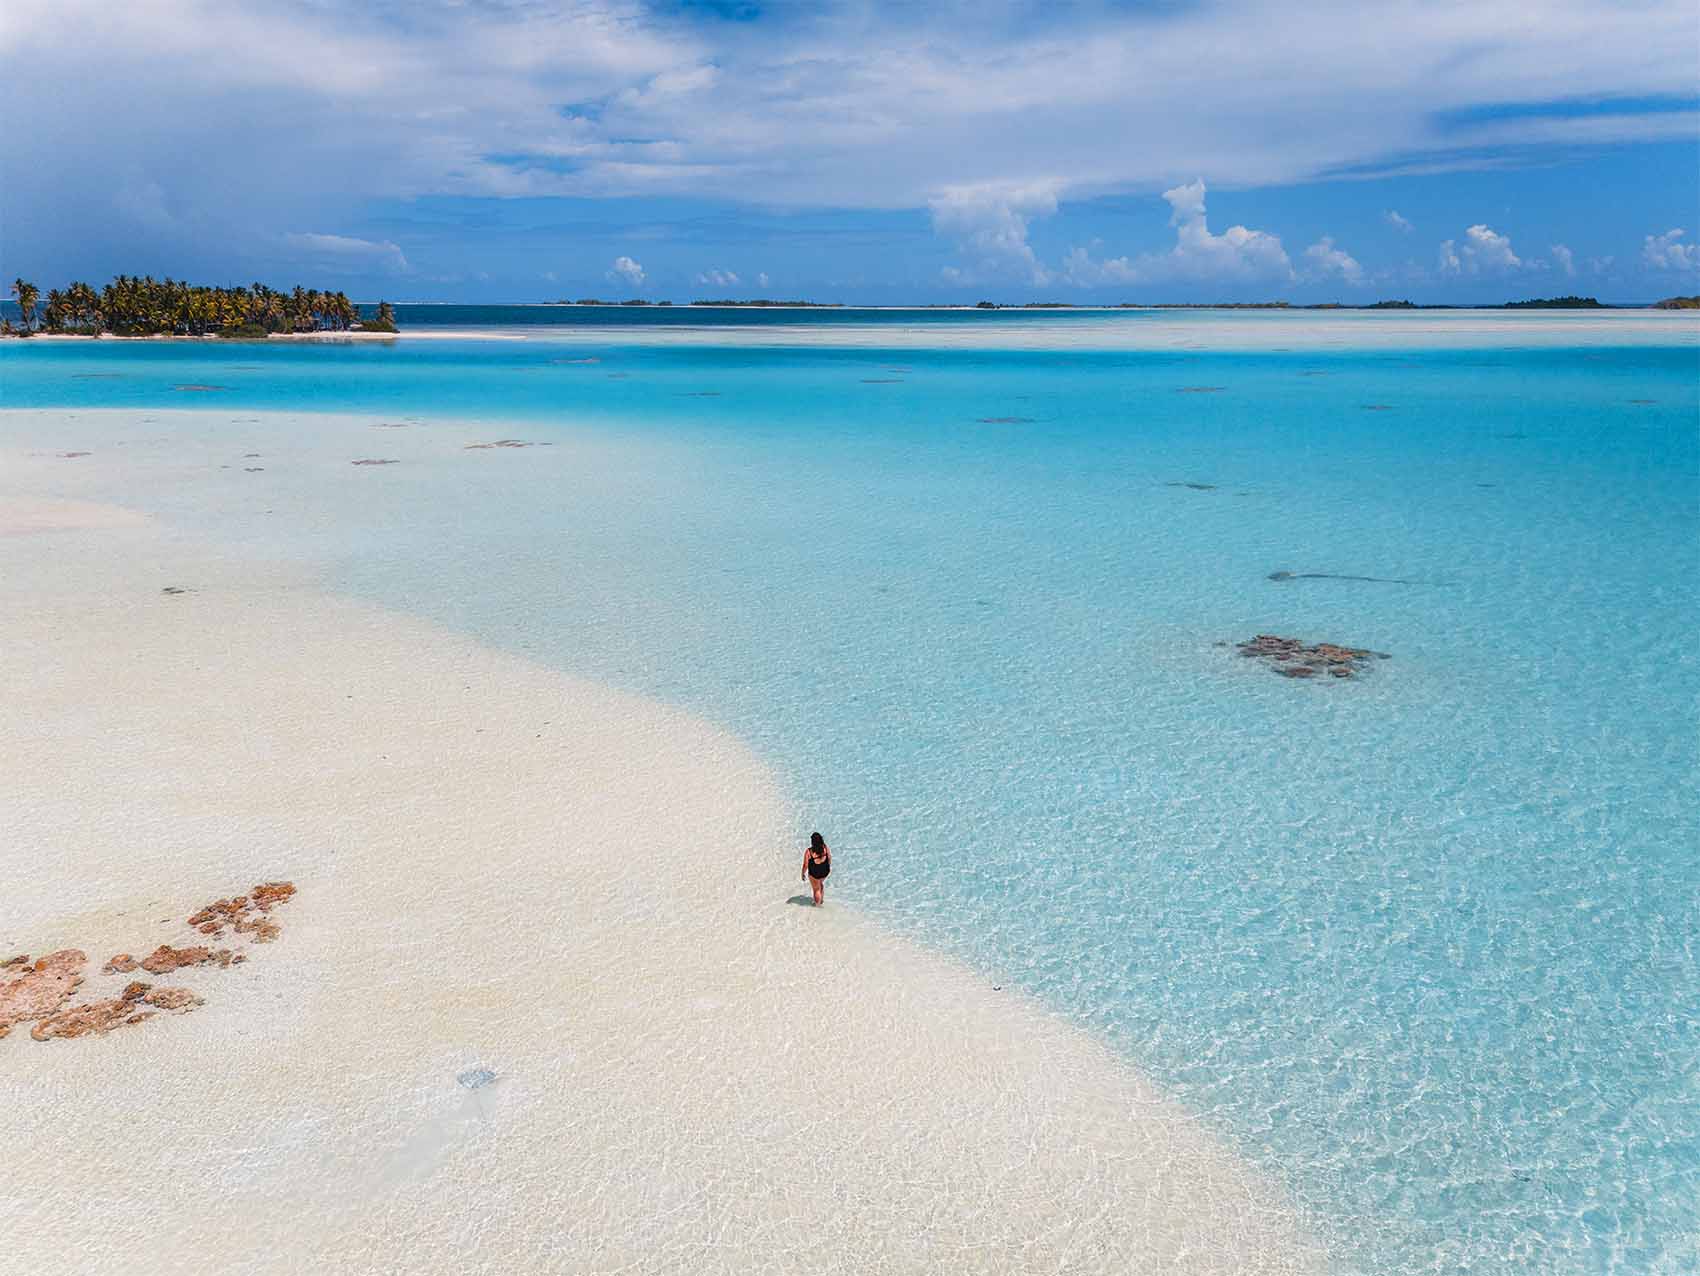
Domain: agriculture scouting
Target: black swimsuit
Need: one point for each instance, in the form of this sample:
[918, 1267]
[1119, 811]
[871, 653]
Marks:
[819, 866]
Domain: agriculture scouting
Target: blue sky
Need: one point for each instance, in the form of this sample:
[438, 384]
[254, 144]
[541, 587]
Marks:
[859, 150]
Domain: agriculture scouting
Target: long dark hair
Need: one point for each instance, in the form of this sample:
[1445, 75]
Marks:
[816, 842]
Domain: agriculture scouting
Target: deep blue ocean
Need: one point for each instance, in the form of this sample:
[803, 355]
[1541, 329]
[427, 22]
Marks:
[1423, 943]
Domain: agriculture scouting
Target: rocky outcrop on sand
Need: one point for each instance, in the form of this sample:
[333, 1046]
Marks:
[1291, 658]
[38, 994]
[239, 911]
[101, 1017]
[42, 988]
[165, 959]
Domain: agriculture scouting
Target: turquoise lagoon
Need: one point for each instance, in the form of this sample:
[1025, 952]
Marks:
[1423, 944]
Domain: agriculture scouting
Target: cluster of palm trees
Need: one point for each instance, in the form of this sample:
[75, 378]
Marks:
[129, 306]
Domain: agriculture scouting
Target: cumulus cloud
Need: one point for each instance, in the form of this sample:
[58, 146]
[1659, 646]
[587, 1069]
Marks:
[1199, 254]
[1665, 252]
[1484, 251]
[1082, 270]
[349, 251]
[1392, 218]
[293, 111]
[848, 103]
[719, 278]
[626, 270]
[1236, 253]
[1565, 259]
[761, 280]
[989, 224]
[1326, 260]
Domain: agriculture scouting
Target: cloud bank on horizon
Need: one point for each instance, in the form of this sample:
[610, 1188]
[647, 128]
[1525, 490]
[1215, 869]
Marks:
[860, 145]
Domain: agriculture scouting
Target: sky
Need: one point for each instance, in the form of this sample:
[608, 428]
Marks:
[1087, 151]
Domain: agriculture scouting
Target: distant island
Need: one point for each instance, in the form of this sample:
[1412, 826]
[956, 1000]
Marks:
[146, 307]
[758, 302]
[755, 303]
[1557, 303]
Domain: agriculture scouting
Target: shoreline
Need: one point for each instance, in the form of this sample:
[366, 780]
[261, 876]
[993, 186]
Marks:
[1078, 329]
[209, 336]
[499, 867]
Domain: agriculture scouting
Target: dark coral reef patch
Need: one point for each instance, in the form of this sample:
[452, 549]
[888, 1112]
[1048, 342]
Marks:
[1292, 658]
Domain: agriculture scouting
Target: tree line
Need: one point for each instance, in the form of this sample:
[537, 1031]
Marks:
[132, 307]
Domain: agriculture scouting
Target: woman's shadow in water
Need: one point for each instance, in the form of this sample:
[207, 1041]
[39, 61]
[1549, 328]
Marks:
[801, 899]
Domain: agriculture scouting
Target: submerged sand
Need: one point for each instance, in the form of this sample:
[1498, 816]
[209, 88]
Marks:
[500, 870]
[1158, 330]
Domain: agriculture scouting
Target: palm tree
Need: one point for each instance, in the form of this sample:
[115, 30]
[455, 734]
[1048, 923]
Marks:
[28, 294]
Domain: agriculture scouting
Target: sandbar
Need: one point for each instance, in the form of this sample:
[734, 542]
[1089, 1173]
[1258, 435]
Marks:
[543, 1000]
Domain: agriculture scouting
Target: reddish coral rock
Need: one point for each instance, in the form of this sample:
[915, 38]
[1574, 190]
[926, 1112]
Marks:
[42, 988]
[98, 1017]
[41, 991]
[269, 894]
[236, 912]
[165, 959]
[179, 1000]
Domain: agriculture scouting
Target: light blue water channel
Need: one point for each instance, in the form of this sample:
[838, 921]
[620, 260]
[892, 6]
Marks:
[1421, 943]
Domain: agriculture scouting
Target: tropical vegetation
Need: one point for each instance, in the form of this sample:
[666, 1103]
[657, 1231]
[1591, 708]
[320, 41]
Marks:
[132, 307]
[383, 321]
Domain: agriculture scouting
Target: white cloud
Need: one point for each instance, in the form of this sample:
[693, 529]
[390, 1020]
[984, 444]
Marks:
[349, 251]
[1566, 260]
[1082, 270]
[1393, 219]
[719, 278]
[1326, 260]
[1484, 251]
[293, 111]
[1236, 253]
[761, 280]
[1664, 252]
[989, 224]
[1599, 265]
[627, 270]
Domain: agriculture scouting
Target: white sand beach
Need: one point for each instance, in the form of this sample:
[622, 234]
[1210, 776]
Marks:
[587, 894]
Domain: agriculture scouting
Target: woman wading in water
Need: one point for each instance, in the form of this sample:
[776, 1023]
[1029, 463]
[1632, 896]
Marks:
[817, 863]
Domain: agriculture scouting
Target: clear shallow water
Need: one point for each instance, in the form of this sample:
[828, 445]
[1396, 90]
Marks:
[1422, 944]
